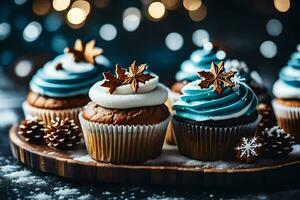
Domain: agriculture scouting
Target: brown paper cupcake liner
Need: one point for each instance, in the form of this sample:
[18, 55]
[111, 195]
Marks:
[173, 97]
[122, 144]
[288, 118]
[46, 115]
[210, 143]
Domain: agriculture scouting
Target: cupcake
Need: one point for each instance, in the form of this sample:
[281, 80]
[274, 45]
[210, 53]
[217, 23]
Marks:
[199, 60]
[287, 92]
[60, 88]
[126, 120]
[213, 114]
[252, 78]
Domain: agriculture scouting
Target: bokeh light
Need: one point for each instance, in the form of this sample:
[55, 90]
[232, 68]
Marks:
[208, 46]
[192, 5]
[108, 32]
[20, 2]
[268, 49]
[84, 5]
[199, 14]
[101, 3]
[7, 117]
[23, 68]
[59, 43]
[76, 16]
[200, 37]
[274, 27]
[174, 41]
[53, 22]
[5, 30]
[41, 7]
[6, 57]
[32, 31]
[282, 5]
[171, 4]
[60, 5]
[131, 18]
[221, 55]
[156, 10]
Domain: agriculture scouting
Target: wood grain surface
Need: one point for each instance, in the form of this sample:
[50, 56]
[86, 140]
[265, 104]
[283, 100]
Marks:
[77, 166]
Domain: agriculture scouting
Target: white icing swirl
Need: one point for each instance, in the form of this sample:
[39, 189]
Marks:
[149, 94]
[285, 91]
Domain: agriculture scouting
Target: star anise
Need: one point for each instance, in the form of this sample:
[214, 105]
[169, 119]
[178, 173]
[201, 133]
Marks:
[217, 77]
[111, 81]
[136, 75]
[84, 52]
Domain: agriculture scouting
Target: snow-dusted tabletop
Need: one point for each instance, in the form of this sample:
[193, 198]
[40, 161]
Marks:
[20, 182]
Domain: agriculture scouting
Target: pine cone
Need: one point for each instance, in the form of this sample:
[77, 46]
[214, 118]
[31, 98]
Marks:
[268, 118]
[276, 143]
[32, 130]
[62, 134]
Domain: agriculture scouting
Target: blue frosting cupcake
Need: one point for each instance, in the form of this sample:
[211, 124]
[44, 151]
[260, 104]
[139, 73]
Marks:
[60, 88]
[287, 92]
[63, 77]
[212, 116]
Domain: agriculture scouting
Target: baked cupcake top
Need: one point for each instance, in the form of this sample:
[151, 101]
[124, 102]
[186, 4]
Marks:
[199, 60]
[126, 90]
[71, 73]
[288, 85]
[219, 95]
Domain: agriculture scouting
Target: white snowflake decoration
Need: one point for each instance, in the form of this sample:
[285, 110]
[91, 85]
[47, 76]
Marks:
[248, 147]
[237, 80]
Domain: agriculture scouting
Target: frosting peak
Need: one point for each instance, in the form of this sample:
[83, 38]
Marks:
[288, 85]
[73, 78]
[150, 93]
[200, 60]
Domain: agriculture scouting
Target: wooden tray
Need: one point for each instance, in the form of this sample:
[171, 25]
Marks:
[170, 168]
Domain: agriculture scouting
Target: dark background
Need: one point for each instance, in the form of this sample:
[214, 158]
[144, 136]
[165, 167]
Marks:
[237, 26]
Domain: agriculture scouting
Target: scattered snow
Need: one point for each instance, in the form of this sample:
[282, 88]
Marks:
[8, 168]
[18, 174]
[106, 193]
[85, 158]
[85, 197]
[65, 192]
[41, 196]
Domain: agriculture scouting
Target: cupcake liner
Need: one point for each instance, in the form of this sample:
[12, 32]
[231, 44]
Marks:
[288, 118]
[173, 97]
[46, 115]
[123, 144]
[210, 143]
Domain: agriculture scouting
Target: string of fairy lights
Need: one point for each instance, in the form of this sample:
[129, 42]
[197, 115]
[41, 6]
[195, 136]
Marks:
[75, 13]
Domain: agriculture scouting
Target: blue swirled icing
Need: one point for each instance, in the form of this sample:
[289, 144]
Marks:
[288, 85]
[200, 60]
[290, 73]
[203, 104]
[74, 79]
